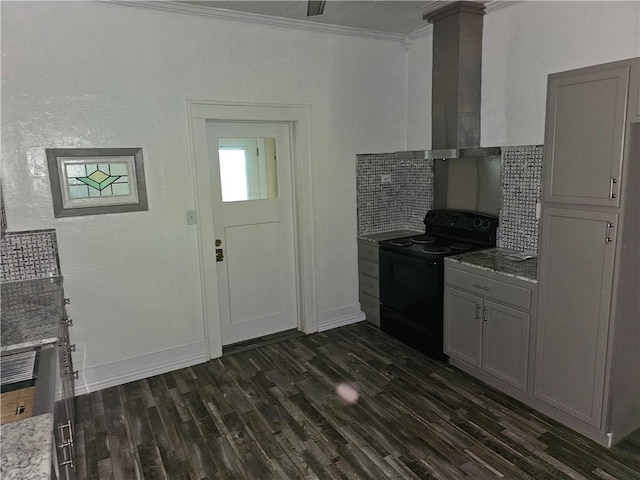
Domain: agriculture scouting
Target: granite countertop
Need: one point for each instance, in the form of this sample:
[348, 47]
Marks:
[26, 448]
[493, 260]
[31, 310]
[379, 237]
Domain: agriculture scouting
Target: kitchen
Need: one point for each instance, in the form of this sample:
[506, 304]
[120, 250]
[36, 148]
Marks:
[366, 95]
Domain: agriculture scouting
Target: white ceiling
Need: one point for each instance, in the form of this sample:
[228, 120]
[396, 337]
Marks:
[389, 16]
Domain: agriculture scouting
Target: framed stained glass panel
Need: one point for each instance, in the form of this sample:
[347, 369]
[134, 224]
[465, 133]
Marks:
[91, 181]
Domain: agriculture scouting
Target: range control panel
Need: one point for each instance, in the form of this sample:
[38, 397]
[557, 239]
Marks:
[461, 220]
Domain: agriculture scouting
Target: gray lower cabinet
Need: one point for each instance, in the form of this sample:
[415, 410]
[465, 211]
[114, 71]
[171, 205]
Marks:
[487, 326]
[574, 310]
[64, 409]
[369, 291]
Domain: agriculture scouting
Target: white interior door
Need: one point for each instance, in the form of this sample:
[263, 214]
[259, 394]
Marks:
[253, 227]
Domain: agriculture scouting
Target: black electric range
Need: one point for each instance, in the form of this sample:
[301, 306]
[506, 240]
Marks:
[412, 275]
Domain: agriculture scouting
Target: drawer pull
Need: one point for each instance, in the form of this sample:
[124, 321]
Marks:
[481, 287]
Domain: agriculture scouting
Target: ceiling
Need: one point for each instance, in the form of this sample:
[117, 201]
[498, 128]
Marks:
[389, 16]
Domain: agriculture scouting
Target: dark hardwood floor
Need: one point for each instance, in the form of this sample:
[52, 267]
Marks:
[272, 413]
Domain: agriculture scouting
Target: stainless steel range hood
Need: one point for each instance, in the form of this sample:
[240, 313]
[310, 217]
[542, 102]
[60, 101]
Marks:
[456, 82]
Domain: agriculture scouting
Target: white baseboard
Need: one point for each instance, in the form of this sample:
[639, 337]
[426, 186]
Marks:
[108, 375]
[339, 317]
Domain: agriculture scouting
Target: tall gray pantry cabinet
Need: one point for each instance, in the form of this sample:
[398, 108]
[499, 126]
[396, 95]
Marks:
[587, 358]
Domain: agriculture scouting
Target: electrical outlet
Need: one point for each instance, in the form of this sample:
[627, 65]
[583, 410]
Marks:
[385, 178]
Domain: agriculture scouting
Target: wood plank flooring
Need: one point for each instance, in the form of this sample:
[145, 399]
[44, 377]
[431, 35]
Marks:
[272, 413]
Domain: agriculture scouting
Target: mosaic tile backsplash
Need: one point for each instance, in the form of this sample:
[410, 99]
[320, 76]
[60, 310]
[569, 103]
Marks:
[403, 202]
[29, 255]
[520, 184]
[394, 191]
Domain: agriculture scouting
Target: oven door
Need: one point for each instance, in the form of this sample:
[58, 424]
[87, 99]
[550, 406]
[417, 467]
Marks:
[412, 287]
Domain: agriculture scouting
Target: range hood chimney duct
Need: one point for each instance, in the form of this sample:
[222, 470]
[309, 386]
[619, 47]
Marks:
[456, 81]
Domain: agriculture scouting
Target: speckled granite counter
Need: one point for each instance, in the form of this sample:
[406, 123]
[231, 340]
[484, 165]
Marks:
[31, 310]
[493, 260]
[26, 448]
[379, 237]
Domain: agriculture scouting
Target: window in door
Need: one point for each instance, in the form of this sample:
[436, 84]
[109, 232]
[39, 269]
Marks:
[248, 169]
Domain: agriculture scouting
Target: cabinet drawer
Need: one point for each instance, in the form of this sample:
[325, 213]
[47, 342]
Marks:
[368, 250]
[369, 285]
[490, 288]
[17, 404]
[367, 267]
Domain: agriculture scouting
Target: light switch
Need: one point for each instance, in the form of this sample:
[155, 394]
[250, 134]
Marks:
[191, 217]
[538, 206]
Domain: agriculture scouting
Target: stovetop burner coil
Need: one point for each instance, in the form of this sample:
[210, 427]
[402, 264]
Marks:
[437, 250]
[401, 242]
[423, 239]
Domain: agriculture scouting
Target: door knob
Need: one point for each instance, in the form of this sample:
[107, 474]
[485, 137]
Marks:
[218, 242]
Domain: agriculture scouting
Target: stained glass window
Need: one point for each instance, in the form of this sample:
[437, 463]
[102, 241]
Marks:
[97, 180]
[90, 181]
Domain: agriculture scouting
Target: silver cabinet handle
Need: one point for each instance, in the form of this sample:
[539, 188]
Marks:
[481, 287]
[61, 427]
[607, 237]
[612, 182]
[484, 314]
[66, 444]
[478, 308]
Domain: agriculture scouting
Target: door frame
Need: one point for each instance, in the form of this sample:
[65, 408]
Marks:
[297, 117]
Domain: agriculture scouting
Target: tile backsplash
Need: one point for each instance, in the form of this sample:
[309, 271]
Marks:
[520, 184]
[394, 191]
[29, 255]
[402, 202]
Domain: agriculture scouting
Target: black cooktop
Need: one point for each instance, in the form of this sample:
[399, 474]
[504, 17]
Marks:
[429, 246]
[447, 232]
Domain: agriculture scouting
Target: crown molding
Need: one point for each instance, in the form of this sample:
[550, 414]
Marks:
[245, 17]
[491, 6]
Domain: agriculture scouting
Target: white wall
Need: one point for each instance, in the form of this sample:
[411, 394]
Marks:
[522, 43]
[86, 74]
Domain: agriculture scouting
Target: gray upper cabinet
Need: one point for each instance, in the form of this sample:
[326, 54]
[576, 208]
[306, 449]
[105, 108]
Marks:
[587, 360]
[585, 125]
[573, 323]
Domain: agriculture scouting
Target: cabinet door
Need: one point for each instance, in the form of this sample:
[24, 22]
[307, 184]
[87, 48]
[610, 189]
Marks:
[584, 135]
[463, 326]
[505, 344]
[576, 272]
